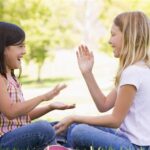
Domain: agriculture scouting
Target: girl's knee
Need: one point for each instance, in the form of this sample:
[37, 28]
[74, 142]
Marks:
[79, 131]
[78, 134]
[46, 128]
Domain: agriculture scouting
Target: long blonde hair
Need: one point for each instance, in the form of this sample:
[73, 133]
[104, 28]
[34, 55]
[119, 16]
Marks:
[135, 27]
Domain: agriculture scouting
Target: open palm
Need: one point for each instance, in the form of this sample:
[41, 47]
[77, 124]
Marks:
[85, 59]
[61, 106]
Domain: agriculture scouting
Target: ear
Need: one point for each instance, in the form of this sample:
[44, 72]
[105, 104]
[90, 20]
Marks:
[6, 50]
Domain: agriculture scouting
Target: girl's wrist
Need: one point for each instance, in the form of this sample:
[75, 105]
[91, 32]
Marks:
[73, 118]
[44, 97]
[87, 74]
[50, 107]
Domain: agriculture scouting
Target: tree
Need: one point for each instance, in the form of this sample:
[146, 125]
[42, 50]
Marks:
[111, 8]
[48, 25]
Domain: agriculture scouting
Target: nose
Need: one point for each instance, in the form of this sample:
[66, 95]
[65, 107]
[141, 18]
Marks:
[109, 41]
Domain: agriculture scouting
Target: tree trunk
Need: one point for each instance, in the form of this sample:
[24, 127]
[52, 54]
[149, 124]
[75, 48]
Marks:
[39, 73]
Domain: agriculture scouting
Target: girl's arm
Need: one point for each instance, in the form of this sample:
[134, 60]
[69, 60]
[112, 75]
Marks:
[85, 62]
[38, 112]
[123, 102]
[103, 103]
[13, 110]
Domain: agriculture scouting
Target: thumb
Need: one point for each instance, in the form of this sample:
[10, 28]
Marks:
[57, 126]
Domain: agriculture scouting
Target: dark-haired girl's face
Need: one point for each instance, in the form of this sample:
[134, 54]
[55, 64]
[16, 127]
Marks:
[13, 55]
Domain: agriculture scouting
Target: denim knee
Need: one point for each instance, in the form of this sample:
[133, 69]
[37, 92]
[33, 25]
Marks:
[36, 135]
[46, 134]
[45, 128]
[78, 133]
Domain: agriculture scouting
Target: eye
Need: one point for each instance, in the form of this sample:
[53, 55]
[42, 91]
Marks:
[112, 34]
[21, 45]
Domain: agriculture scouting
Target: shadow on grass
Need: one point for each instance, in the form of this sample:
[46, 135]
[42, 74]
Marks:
[46, 82]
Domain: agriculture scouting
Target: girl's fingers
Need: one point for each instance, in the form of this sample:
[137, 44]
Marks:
[71, 106]
[59, 128]
[58, 125]
[62, 87]
[58, 131]
[80, 51]
[83, 50]
[92, 54]
[86, 50]
[77, 54]
[58, 88]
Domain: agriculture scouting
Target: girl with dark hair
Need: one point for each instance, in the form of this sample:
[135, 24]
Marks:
[16, 129]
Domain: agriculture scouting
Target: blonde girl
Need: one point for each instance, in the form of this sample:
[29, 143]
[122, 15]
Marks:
[127, 127]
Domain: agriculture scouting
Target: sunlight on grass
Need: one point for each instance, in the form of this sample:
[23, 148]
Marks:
[46, 82]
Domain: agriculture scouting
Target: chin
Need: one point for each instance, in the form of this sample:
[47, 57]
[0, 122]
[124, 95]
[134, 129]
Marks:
[116, 56]
[16, 67]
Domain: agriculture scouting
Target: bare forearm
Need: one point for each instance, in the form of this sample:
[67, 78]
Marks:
[38, 112]
[97, 95]
[23, 108]
[105, 121]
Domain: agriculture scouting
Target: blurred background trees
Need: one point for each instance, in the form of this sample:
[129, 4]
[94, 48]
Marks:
[52, 25]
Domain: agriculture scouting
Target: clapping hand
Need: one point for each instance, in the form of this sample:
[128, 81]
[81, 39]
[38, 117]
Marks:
[85, 59]
[54, 92]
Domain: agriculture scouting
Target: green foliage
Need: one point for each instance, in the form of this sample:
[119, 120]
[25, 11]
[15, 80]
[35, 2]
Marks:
[56, 24]
[48, 25]
[112, 8]
[46, 82]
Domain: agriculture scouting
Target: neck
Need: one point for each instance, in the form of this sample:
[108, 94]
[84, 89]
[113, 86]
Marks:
[8, 71]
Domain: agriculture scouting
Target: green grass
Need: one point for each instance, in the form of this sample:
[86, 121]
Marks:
[46, 82]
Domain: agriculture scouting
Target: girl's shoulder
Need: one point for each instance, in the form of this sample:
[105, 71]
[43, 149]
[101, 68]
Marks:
[13, 81]
[3, 80]
[136, 72]
[136, 68]
[130, 70]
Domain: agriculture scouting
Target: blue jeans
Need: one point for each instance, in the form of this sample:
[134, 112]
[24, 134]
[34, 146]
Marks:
[34, 136]
[83, 136]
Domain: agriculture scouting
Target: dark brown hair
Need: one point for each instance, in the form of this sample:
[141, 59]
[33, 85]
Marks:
[10, 34]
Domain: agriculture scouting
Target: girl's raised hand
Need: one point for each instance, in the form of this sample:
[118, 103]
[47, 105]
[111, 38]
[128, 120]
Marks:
[54, 92]
[61, 106]
[85, 59]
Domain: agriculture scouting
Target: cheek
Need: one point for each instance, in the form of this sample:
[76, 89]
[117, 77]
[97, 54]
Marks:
[10, 59]
[114, 40]
[120, 41]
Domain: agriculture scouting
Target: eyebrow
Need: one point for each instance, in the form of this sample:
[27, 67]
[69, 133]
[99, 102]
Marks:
[23, 43]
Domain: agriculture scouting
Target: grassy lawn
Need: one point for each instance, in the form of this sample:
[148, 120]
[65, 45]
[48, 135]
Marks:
[27, 82]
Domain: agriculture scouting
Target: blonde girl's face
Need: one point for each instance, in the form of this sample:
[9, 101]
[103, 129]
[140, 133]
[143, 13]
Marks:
[116, 40]
[13, 55]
